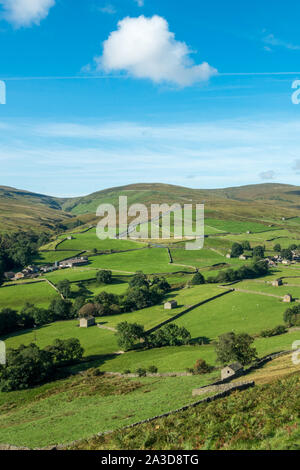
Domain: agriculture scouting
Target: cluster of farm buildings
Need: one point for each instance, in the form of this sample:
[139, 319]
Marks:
[274, 260]
[33, 271]
[277, 259]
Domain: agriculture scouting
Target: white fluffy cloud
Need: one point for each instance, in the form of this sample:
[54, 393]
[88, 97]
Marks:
[145, 48]
[273, 41]
[26, 12]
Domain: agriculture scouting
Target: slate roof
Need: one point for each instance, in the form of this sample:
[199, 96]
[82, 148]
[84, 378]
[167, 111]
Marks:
[235, 366]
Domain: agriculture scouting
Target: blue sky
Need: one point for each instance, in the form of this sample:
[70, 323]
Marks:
[105, 93]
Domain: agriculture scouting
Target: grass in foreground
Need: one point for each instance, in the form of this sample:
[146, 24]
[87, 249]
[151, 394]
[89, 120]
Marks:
[84, 405]
[265, 417]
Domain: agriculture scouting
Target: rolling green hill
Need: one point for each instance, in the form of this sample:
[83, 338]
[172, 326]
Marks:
[264, 203]
[268, 202]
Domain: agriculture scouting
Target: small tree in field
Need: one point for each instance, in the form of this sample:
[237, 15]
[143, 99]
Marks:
[104, 277]
[197, 279]
[128, 334]
[87, 310]
[201, 367]
[65, 351]
[258, 252]
[139, 280]
[292, 316]
[246, 245]
[65, 288]
[236, 250]
[235, 347]
[287, 254]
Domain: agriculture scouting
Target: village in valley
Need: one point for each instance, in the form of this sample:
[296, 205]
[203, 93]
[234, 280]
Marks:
[122, 316]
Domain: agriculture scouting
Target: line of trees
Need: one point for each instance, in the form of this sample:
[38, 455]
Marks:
[30, 315]
[142, 292]
[291, 316]
[238, 249]
[27, 366]
[232, 347]
[18, 249]
[286, 253]
[251, 271]
[129, 335]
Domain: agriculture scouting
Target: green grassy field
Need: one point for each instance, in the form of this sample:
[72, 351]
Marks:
[236, 226]
[219, 244]
[264, 418]
[294, 221]
[178, 359]
[202, 258]
[95, 341]
[291, 281]
[72, 274]
[49, 257]
[150, 317]
[94, 288]
[150, 260]
[236, 312]
[227, 313]
[78, 407]
[269, 289]
[284, 237]
[99, 341]
[89, 240]
[15, 297]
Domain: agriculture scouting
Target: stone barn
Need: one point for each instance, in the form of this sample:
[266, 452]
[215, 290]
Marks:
[86, 322]
[277, 283]
[288, 298]
[9, 276]
[19, 276]
[170, 304]
[233, 370]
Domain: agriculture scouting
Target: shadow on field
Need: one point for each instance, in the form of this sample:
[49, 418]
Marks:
[200, 340]
[88, 363]
[23, 332]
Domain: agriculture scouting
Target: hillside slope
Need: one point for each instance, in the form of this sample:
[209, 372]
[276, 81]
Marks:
[267, 203]
[264, 417]
[29, 211]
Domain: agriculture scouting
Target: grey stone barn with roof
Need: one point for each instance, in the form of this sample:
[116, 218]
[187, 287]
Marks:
[86, 322]
[232, 370]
